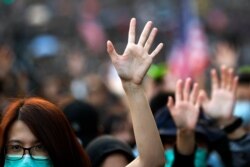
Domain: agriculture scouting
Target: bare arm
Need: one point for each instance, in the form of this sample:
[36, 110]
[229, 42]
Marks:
[131, 67]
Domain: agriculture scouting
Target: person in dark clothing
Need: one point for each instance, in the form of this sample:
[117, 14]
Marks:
[184, 142]
[220, 109]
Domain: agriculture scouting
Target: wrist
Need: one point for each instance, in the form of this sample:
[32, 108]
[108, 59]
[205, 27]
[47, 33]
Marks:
[128, 86]
[185, 133]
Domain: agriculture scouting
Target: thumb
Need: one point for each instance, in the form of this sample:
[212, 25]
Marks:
[203, 98]
[199, 100]
[111, 50]
[170, 103]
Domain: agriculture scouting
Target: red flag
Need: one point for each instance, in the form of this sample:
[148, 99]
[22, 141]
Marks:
[189, 55]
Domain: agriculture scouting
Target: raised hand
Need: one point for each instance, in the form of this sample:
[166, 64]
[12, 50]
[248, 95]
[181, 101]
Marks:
[185, 111]
[131, 67]
[133, 64]
[221, 104]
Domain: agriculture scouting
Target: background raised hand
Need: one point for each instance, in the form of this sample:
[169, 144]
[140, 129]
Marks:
[221, 104]
[133, 64]
[185, 111]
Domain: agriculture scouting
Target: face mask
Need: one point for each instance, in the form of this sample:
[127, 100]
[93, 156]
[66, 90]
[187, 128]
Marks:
[200, 157]
[242, 110]
[169, 156]
[27, 161]
[199, 161]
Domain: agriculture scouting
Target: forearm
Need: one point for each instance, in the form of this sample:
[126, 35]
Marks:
[151, 152]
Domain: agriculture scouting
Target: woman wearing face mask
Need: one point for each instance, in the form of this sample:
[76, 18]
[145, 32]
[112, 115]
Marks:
[36, 133]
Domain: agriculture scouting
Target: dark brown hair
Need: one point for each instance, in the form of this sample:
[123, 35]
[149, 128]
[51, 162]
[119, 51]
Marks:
[48, 123]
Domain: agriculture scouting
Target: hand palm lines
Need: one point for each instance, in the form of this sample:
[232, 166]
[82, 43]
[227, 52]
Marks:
[184, 111]
[132, 65]
[132, 58]
[221, 102]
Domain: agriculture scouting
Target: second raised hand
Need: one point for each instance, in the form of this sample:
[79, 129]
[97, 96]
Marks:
[133, 64]
[185, 111]
[221, 104]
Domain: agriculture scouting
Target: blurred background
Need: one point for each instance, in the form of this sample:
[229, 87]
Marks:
[62, 37]
[56, 49]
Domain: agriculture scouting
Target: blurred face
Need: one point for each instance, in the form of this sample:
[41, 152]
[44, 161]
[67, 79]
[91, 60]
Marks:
[51, 89]
[225, 55]
[76, 64]
[117, 160]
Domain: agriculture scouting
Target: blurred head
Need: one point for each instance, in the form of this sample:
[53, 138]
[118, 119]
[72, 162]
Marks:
[84, 120]
[108, 151]
[76, 63]
[159, 101]
[53, 88]
[226, 50]
[119, 126]
[10, 82]
[97, 90]
[6, 59]
[242, 106]
[35, 122]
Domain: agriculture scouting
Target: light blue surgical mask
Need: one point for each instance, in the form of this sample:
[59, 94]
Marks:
[242, 110]
[27, 161]
[199, 161]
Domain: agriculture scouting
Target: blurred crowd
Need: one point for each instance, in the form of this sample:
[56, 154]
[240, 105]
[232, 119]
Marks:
[57, 50]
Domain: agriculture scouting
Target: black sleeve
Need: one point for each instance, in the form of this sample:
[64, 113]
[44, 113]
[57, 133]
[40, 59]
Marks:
[222, 146]
[181, 160]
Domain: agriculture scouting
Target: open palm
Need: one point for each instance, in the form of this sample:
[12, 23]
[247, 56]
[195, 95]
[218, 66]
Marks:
[185, 111]
[222, 101]
[133, 64]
